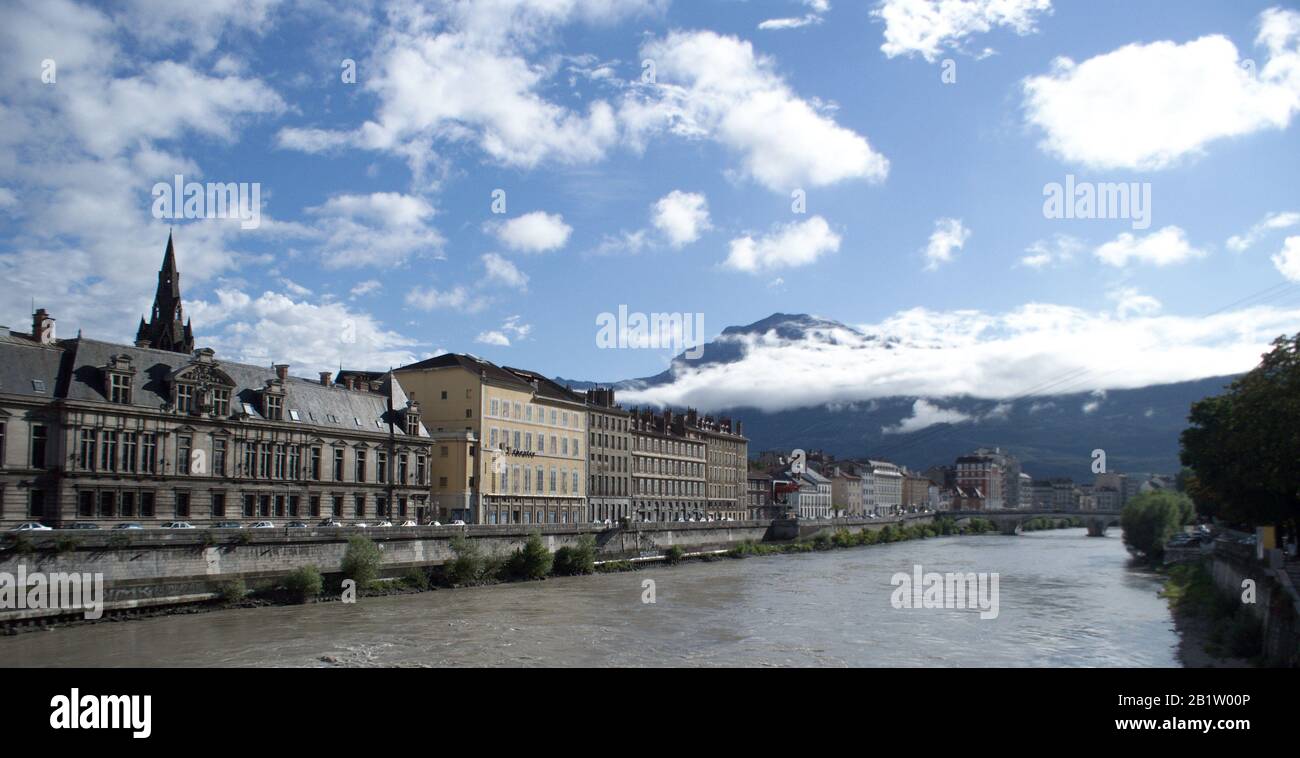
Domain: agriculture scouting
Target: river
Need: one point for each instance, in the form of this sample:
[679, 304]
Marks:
[1064, 600]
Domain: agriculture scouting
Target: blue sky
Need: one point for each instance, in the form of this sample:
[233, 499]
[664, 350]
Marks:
[376, 222]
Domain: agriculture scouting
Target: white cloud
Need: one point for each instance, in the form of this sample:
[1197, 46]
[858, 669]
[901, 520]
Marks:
[1060, 249]
[1239, 243]
[948, 236]
[366, 287]
[1288, 261]
[493, 338]
[926, 414]
[789, 246]
[681, 216]
[1145, 106]
[512, 327]
[1161, 248]
[500, 269]
[379, 229]
[1128, 300]
[456, 298]
[816, 8]
[535, 232]
[716, 87]
[927, 27]
[309, 336]
[934, 354]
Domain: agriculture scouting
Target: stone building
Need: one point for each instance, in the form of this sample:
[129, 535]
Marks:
[984, 473]
[846, 491]
[728, 459]
[97, 432]
[758, 492]
[669, 462]
[609, 457]
[521, 433]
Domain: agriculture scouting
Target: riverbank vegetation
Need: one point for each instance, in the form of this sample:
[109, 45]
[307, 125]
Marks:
[1210, 618]
[1150, 519]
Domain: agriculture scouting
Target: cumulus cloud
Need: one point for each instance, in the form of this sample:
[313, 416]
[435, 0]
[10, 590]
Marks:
[512, 327]
[788, 246]
[716, 87]
[379, 229]
[1288, 261]
[1239, 243]
[365, 288]
[457, 298]
[935, 354]
[681, 216]
[928, 27]
[815, 7]
[1043, 253]
[1129, 301]
[1145, 106]
[502, 270]
[948, 236]
[536, 232]
[277, 328]
[926, 414]
[1165, 247]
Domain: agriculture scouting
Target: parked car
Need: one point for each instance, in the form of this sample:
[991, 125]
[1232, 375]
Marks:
[408, 522]
[31, 526]
[128, 525]
[177, 525]
[330, 523]
[296, 525]
[458, 522]
[385, 522]
[361, 525]
[433, 523]
[262, 525]
[227, 525]
[82, 525]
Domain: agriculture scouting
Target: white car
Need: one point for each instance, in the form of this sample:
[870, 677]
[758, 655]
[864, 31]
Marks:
[385, 522]
[361, 525]
[177, 525]
[409, 523]
[31, 526]
[262, 525]
[434, 523]
[458, 522]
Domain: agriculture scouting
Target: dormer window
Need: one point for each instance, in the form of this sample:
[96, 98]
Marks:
[274, 407]
[120, 388]
[413, 424]
[221, 402]
[185, 398]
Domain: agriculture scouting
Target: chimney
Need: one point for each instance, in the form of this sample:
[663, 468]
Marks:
[350, 382]
[324, 378]
[42, 327]
[282, 371]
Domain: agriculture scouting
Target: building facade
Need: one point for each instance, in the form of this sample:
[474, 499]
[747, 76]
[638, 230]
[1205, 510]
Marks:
[524, 442]
[609, 457]
[983, 473]
[669, 462]
[887, 487]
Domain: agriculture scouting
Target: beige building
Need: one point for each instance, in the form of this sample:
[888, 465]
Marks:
[846, 492]
[525, 441]
[609, 457]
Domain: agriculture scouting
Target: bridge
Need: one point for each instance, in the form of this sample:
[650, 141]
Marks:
[1009, 521]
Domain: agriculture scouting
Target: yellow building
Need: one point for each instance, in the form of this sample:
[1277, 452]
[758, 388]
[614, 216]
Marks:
[519, 435]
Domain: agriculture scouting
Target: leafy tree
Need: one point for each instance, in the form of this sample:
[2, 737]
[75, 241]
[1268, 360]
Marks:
[1150, 519]
[1244, 446]
[304, 583]
[361, 561]
[532, 562]
[572, 561]
[468, 566]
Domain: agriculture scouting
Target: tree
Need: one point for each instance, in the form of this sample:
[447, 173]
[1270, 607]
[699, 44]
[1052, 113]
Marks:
[1150, 519]
[361, 561]
[1244, 446]
[533, 562]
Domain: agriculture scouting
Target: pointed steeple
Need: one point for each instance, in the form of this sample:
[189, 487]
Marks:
[167, 328]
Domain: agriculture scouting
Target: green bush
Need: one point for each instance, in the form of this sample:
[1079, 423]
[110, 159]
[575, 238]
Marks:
[304, 583]
[1151, 518]
[361, 561]
[574, 561]
[234, 590]
[673, 555]
[416, 578]
[613, 567]
[468, 566]
[532, 562]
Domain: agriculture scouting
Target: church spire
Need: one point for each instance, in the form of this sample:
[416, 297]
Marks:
[167, 328]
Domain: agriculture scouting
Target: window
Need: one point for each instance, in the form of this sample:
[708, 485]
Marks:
[442, 482]
[129, 448]
[184, 398]
[403, 468]
[108, 452]
[381, 466]
[274, 408]
[336, 506]
[359, 468]
[250, 506]
[315, 464]
[39, 438]
[146, 504]
[182, 505]
[294, 466]
[315, 506]
[421, 467]
[184, 448]
[218, 457]
[412, 424]
[264, 460]
[444, 394]
[294, 501]
[86, 504]
[218, 504]
[2, 443]
[359, 505]
[86, 452]
[278, 472]
[148, 458]
[338, 464]
[36, 505]
[126, 504]
[221, 402]
[119, 390]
